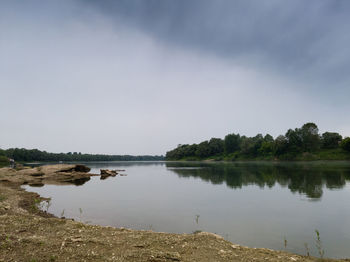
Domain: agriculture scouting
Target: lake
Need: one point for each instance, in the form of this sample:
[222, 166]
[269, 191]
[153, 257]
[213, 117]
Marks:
[256, 204]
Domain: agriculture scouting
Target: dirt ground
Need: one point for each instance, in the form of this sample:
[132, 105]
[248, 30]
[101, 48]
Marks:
[31, 235]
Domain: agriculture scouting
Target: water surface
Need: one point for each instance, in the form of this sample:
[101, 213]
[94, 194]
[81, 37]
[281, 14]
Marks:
[257, 204]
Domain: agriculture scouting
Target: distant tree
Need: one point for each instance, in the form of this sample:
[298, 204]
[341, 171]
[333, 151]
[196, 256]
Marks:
[304, 139]
[21, 154]
[216, 146]
[190, 150]
[3, 160]
[268, 138]
[232, 143]
[258, 140]
[266, 148]
[280, 145]
[310, 138]
[178, 153]
[203, 149]
[291, 146]
[251, 145]
[345, 144]
[295, 141]
[331, 140]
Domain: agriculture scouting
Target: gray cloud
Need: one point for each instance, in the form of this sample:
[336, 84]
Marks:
[129, 77]
[301, 37]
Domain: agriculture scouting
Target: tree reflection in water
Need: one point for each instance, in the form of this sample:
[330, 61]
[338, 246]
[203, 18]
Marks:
[307, 178]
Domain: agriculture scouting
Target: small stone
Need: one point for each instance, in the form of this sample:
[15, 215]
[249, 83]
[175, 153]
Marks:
[222, 252]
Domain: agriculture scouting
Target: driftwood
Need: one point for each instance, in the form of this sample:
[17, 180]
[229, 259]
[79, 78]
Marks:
[107, 173]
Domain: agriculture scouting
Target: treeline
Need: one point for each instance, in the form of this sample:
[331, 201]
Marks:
[303, 143]
[25, 155]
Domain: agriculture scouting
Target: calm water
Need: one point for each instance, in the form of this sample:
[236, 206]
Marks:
[252, 204]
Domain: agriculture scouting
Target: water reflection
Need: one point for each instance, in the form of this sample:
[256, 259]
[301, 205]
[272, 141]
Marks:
[80, 181]
[303, 178]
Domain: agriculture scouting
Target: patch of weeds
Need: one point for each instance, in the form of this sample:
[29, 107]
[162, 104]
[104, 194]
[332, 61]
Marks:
[307, 249]
[319, 244]
[197, 219]
[80, 225]
[285, 242]
[36, 204]
[6, 242]
[53, 258]
[62, 213]
[2, 198]
[80, 214]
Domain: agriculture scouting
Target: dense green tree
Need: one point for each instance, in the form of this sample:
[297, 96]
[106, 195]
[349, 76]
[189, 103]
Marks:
[257, 140]
[310, 138]
[250, 145]
[4, 159]
[268, 138]
[295, 141]
[191, 150]
[247, 145]
[232, 143]
[331, 140]
[203, 149]
[345, 144]
[293, 145]
[280, 145]
[2, 152]
[266, 148]
[216, 146]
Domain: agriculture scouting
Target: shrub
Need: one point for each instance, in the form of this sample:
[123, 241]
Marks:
[345, 144]
[4, 160]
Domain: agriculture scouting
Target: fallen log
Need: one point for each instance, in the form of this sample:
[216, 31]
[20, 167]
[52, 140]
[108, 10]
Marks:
[107, 173]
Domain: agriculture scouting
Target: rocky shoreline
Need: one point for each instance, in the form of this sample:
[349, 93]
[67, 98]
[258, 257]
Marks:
[29, 234]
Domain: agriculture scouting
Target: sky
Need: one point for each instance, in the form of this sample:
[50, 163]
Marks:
[142, 76]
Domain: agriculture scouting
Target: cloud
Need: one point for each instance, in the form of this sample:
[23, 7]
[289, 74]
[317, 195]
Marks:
[74, 79]
[306, 39]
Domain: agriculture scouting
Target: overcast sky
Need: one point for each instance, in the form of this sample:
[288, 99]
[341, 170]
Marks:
[141, 76]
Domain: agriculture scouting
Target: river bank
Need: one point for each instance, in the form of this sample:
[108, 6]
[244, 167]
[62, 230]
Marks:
[30, 234]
